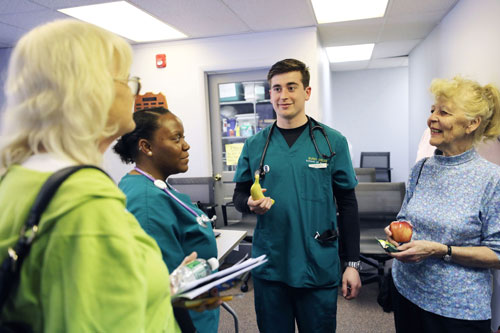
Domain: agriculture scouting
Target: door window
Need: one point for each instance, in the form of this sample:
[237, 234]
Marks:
[244, 109]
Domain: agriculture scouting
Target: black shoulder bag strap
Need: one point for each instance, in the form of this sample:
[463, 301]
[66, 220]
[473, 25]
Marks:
[11, 266]
[418, 177]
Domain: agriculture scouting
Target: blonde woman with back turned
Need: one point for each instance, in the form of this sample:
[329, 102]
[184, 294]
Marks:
[91, 268]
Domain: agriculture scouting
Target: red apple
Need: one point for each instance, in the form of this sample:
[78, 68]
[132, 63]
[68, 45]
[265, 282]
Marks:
[401, 231]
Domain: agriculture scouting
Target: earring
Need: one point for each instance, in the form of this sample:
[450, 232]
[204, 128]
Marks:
[150, 153]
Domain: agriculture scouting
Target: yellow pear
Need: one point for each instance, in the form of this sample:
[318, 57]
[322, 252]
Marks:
[256, 190]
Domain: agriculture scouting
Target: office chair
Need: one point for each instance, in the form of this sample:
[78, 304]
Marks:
[381, 161]
[365, 174]
[233, 314]
[378, 205]
[234, 221]
[247, 223]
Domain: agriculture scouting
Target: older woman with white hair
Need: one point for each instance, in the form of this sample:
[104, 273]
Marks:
[91, 267]
[442, 276]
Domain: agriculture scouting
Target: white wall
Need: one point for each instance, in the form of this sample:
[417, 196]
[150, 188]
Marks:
[4, 62]
[183, 81]
[370, 107]
[465, 43]
[324, 85]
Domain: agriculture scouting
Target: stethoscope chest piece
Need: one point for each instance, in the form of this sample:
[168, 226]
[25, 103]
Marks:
[203, 220]
[160, 184]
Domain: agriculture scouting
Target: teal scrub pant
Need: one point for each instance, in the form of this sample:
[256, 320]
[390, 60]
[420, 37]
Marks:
[278, 306]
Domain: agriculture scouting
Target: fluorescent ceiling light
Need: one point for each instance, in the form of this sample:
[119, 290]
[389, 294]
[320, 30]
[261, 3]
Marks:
[327, 11]
[125, 20]
[350, 53]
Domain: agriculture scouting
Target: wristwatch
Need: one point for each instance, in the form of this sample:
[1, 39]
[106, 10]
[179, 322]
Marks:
[447, 256]
[354, 264]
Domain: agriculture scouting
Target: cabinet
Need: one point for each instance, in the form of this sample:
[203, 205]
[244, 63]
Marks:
[244, 109]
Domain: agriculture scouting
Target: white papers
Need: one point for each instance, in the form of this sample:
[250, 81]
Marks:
[202, 285]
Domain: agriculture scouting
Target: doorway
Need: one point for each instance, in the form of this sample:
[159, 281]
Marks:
[239, 108]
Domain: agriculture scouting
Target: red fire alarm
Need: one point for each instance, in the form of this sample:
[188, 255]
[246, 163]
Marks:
[161, 61]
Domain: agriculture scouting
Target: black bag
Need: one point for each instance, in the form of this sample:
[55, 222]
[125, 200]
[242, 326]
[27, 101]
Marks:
[386, 292]
[11, 266]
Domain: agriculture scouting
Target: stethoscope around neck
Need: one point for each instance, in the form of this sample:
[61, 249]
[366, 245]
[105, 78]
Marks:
[263, 169]
[201, 219]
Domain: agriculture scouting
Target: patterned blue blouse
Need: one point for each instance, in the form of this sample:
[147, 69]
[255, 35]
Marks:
[456, 202]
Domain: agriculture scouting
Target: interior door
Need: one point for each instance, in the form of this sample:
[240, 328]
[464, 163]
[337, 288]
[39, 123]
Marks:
[239, 108]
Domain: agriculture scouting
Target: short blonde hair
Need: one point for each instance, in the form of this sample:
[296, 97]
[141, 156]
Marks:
[475, 101]
[59, 91]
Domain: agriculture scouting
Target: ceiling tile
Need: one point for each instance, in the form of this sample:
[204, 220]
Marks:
[9, 34]
[194, 17]
[389, 62]
[410, 26]
[416, 7]
[394, 48]
[36, 18]
[434, 17]
[349, 33]
[11, 6]
[262, 15]
[349, 66]
[59, 4]
[406, 23]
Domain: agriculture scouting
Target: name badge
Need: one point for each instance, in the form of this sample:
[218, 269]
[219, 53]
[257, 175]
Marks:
[318, 165]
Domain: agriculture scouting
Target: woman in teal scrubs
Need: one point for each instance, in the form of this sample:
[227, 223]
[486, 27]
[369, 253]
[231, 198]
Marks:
[158, 148]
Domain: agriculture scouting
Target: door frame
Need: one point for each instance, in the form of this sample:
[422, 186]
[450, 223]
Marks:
[213, 79]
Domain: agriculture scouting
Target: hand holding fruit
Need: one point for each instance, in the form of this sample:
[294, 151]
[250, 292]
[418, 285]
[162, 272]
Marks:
[411, 251]
[401, 231]
[418, 250]
[257, 202]
[256, 191]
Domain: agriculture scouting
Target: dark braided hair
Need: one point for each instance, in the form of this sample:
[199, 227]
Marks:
[146, 123]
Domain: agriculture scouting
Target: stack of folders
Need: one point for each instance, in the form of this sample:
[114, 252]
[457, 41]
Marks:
[193, 294]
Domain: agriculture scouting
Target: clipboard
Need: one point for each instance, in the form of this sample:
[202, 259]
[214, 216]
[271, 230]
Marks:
[203, 285]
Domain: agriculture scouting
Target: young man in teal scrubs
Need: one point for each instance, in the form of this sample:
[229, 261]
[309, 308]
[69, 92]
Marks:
[305, 176]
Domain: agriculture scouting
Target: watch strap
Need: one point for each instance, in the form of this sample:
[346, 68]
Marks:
[447, 256]
[354, 264]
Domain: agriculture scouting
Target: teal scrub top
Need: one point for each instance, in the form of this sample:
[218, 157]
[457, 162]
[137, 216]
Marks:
[174, 228]
[304, 204]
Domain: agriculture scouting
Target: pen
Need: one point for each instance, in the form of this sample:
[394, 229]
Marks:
[210, 300]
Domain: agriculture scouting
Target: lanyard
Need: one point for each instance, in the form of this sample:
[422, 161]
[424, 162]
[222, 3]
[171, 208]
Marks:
[201, 219]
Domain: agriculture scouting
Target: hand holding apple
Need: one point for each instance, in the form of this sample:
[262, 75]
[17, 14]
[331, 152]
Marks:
[401, 231]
